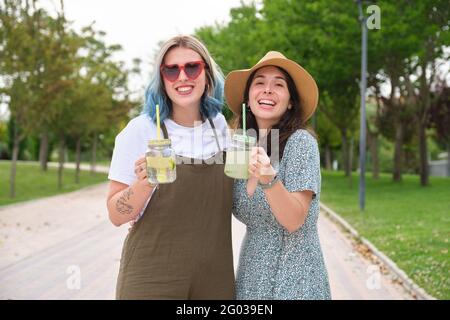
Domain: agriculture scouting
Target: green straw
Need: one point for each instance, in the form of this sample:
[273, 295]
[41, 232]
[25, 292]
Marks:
[158, 125]
[243, 120]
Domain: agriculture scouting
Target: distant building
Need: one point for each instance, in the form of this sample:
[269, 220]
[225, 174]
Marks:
[439, 168]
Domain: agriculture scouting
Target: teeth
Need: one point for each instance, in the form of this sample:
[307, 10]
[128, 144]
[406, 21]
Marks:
[269, 102]
[184, 89]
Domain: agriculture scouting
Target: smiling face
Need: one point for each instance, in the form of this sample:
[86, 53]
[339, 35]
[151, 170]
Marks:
[269, 96]
[184, 92]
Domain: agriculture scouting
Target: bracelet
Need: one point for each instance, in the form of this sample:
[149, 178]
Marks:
[265, 186]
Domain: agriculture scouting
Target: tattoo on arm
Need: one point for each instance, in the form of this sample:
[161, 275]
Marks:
[121, 205]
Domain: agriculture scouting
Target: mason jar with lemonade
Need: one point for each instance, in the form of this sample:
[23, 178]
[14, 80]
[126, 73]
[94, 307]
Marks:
[161, 162]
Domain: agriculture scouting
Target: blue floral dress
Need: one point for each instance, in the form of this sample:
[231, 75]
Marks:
[275, 264]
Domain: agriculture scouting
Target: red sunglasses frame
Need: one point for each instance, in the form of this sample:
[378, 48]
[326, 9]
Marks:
[183, 68]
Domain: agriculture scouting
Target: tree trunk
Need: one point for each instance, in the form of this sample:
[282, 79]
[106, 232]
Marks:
[43, 151]
[345, 153]
[78, 160]
[327, 157]
[448, 159]
[423, 108]
[15, 156]
[373, 146]
[423, 151]
[350, 162]
[94, 153]
[61, 161]
[398, 153]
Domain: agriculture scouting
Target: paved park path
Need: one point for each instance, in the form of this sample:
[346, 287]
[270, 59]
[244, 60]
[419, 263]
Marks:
[64, 247]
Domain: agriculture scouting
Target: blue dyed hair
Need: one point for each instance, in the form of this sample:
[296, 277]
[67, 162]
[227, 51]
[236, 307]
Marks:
[212, 99]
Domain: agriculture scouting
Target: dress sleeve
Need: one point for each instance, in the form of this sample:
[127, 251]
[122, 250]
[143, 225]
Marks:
[302, 163]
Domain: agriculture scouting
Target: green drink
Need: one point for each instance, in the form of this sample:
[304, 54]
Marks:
[238, 156]
[236, 165]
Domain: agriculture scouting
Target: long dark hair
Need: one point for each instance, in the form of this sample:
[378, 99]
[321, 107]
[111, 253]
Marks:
[291, 121]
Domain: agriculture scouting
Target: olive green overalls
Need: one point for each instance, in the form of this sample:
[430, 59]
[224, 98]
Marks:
[181, 246]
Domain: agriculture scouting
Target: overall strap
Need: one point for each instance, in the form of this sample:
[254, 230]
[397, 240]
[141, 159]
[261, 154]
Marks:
[164, 130]
[215, 134]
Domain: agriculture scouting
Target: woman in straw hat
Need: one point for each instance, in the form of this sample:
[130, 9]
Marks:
[281, 256]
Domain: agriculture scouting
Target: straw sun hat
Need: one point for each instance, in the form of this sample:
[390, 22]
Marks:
[306, 86]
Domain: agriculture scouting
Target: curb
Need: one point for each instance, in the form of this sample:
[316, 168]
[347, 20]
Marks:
[416, 291]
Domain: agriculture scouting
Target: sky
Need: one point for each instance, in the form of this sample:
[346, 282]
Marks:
[138, 25]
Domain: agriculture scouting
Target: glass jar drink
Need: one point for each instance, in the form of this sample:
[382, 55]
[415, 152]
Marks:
[238, 156]
[161, 162]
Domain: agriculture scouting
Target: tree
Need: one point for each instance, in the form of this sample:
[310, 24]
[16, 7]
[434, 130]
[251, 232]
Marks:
[321, 36]
[243, 37]
[329, 139]
[399, 53]
[431, 26]
[440, 119]
[111, 78]
[58, 83]
[17, 64]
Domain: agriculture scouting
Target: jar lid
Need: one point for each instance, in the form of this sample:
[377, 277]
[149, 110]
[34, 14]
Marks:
[244, 139]
[159, 142]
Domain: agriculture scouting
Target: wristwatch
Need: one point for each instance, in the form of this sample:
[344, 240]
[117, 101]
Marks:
[270, 184]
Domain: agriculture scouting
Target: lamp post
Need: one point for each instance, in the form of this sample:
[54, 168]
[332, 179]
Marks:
[362, 132]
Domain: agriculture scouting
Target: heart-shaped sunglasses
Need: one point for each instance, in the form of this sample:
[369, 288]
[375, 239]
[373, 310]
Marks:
[192, 69]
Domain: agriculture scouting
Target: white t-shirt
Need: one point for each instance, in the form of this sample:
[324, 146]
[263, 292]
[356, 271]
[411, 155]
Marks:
[193, 142]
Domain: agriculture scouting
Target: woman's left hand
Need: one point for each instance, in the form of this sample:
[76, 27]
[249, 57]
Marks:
[260, 166]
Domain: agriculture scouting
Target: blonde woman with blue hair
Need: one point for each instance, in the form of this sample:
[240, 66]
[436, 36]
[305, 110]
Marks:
[180, 245]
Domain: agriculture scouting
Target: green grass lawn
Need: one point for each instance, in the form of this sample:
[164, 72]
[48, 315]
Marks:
[409, 223]
[31, 183]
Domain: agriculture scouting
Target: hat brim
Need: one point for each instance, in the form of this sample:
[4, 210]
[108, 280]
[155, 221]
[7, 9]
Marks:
[308, 92]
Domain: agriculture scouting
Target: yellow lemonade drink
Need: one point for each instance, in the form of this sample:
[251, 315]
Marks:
[161, 169]
[161, 162]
